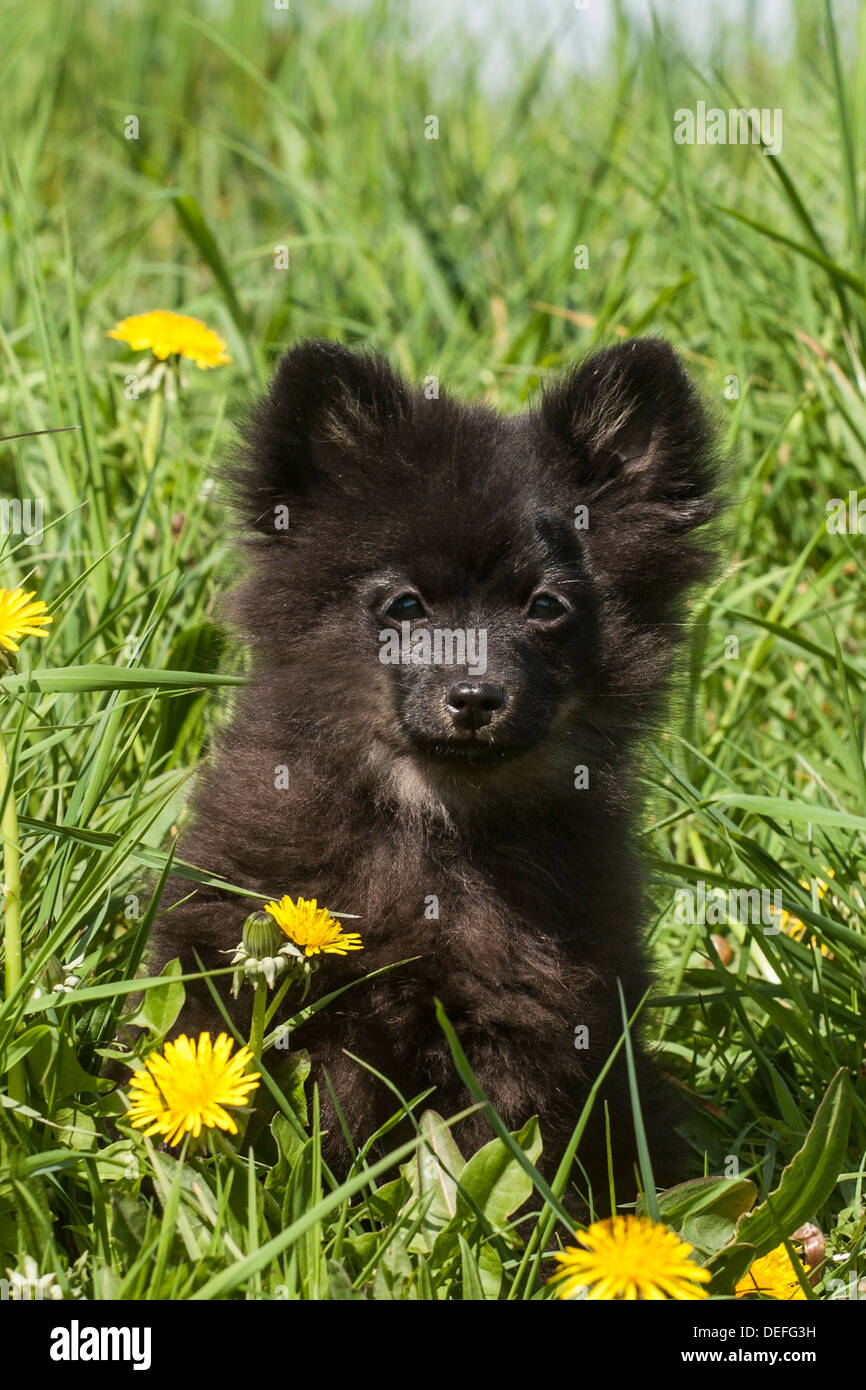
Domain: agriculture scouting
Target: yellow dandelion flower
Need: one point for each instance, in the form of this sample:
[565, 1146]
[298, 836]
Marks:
[313, 927]
[773, 1276]
[629, 1257]
[20, 617]
[165, 333]
[186, 1087]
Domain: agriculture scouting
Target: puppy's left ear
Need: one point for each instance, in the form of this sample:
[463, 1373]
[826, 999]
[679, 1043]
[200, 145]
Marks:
[641, 457]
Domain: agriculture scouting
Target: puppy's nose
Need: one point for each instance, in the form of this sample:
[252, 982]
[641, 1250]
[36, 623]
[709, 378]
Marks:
[472, 704]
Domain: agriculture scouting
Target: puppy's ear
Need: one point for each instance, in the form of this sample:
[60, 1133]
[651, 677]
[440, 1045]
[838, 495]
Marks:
[641, 458]
[326, 406]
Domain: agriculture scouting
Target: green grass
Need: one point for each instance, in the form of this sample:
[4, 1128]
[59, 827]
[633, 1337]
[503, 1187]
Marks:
[456, 257]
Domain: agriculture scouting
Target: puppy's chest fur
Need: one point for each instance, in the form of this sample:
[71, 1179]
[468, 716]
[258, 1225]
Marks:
[519, 926]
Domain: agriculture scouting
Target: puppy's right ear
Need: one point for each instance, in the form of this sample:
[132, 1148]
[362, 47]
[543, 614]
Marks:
[327, 409]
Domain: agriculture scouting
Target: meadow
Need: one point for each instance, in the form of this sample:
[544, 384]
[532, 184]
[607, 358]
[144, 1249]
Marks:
[270, 172]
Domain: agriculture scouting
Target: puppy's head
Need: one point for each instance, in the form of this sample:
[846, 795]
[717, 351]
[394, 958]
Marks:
[460, 591]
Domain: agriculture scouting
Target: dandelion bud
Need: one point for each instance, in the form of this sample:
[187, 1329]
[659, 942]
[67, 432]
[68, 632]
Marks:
[262, 936]
[264, 953]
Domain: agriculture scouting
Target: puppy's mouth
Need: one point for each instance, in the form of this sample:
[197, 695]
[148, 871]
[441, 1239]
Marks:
[470, 751]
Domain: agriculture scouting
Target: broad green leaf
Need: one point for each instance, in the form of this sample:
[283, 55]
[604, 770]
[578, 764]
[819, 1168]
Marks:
[495, 1182]
[290, 1145]
[727, 1197]
[707, 1231]
[290, 1073]
[340, 1285]
[55, 1063]
[23, 1043]
[804, 1186]
[76, 1127]
[161, 1006]
[472, 1287]
[489, 1270]
[387, 1200]
[119, 1161]
[433, 1174]
[393, 1272]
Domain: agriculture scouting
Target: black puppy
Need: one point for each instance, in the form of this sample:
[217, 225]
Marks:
[457, 637]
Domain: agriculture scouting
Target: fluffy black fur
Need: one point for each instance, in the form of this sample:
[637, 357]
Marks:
[471, 516]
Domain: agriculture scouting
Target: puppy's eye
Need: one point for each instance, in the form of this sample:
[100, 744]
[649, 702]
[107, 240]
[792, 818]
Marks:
[546, 608]
[405, 608]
